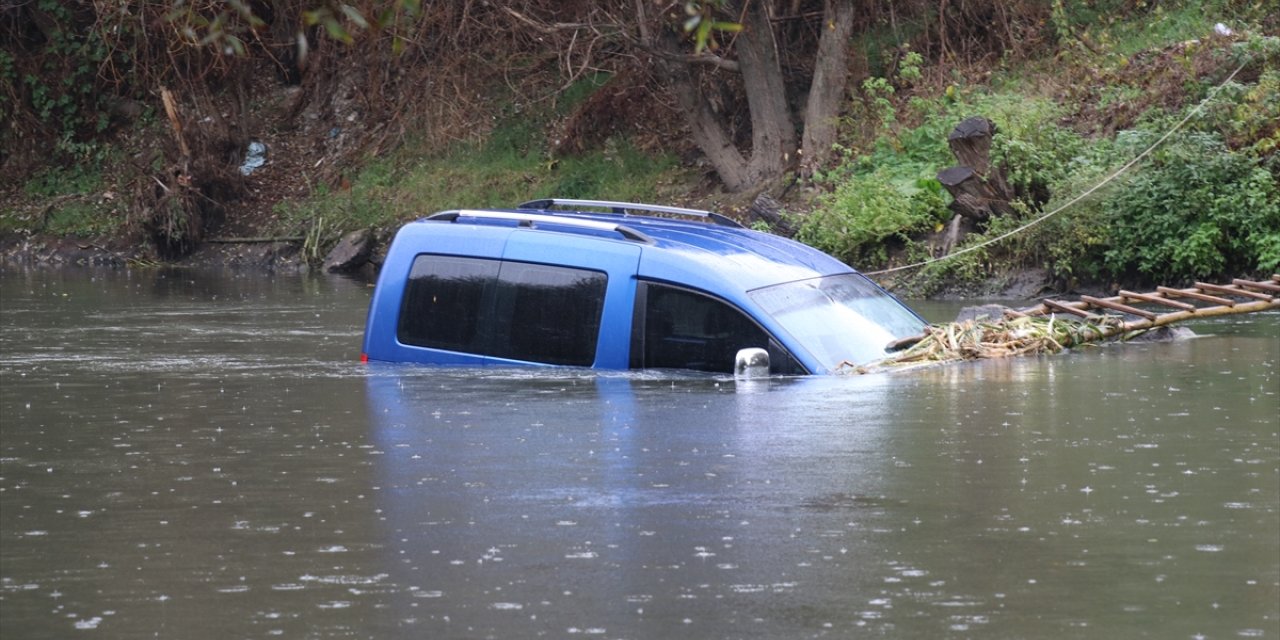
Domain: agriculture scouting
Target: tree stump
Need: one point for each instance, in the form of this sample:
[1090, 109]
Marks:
[970, 141]
[980, 191]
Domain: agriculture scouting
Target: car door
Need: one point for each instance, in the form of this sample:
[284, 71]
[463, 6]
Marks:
[565, 298]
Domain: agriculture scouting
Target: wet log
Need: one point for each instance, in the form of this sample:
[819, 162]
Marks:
[1258, 286]
[1196, 295]
[1116, 306]
[974, 197]
[1157, 300]
[1199, 314]
[766, 208]
[1233, 290]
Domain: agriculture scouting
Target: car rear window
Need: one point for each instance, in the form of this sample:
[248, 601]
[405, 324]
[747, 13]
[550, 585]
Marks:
[443, 300]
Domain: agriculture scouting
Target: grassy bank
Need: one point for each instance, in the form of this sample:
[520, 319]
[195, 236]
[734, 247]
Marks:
[501, 172]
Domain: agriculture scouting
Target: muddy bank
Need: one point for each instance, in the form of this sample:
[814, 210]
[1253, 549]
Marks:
[1017, 284]
[58, 251]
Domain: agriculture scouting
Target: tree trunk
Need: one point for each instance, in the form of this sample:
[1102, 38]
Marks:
[707, 128]
[284, 33]
[774, 137]
[827, 91]
[773, 132]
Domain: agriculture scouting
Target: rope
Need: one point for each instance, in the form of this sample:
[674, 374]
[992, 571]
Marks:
[1086, 193]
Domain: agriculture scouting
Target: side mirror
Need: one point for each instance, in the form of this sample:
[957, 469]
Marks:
[752, 362]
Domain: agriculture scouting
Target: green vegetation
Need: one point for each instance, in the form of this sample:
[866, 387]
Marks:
[890, 192]
[74, 199]
[1203, 204]
[1199, 209]
[870, 211]
[75, 61]
[1114, 30]
[59, 181]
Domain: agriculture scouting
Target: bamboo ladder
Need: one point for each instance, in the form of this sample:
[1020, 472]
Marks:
[1203, 300]
[1054, 325]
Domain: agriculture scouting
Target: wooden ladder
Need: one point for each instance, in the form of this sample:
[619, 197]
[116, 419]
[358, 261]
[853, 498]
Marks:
[1166, 305]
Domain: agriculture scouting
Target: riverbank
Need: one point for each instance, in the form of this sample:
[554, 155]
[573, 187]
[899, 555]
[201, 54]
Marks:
[1179, 111]
[49, 251]
[267, 258]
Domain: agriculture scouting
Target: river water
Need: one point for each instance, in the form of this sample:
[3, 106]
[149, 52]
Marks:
[193, 455]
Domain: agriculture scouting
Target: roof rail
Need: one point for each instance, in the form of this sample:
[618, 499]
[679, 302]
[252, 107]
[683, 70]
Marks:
[624, 207]
[530, 220]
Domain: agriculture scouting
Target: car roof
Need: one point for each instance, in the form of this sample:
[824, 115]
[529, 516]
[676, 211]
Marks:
[712, 252]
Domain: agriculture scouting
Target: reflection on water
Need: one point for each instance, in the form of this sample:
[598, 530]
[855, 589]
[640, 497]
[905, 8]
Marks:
[198, 455]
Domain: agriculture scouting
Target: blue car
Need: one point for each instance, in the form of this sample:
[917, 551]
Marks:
[616, 285]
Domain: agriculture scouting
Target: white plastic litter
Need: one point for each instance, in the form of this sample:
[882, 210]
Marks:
[254, 158]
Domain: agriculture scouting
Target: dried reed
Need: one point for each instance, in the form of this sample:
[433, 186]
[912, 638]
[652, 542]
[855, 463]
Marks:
[983, 339]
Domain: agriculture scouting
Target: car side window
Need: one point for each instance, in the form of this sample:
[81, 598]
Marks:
[549, 314]
[682, 329]
[513, 310]
[444, 299]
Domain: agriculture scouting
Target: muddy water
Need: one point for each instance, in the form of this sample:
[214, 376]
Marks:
[201, 456]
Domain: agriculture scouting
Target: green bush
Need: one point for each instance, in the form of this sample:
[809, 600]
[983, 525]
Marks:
[890, 195]
[1197, 210]
[1248, 115]
[856, 220]
[1035, 154]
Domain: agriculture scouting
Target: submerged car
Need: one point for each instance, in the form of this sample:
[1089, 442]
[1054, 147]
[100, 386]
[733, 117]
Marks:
[615, 285]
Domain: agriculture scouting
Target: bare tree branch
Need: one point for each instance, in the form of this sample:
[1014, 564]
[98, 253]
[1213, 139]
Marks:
[547, 27]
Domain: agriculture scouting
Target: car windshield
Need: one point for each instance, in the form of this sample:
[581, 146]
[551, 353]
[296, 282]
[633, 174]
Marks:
[842, 318]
